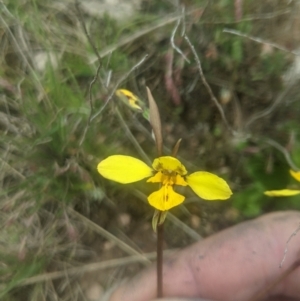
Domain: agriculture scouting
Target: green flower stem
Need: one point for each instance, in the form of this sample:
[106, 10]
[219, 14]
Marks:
[159, 252]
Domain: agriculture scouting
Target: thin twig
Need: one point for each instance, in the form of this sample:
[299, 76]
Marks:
[91, 105]
[19, 48]
[107, 235]
[91, 267]
[251, 18]
[286, 245]
[284, 152]
[77, 4]
[279, 99]
[132, 37]
[110, 96]
[207, 86]
[99, 57]
[259, 40]
[173, 42]
[91, 42]
[132, 138]
[11, 169]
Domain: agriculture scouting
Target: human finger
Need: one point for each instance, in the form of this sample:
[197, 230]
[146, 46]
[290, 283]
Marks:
[234, 264]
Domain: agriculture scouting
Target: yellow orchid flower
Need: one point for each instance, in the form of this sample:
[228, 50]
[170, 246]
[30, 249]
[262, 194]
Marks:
[168, 171]
[286, 192]
[133, 102]
[129, 99]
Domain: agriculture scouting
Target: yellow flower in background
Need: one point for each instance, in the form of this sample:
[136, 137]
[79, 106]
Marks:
[129, 99]
[168, 171]
[132, 101]
[286, 192]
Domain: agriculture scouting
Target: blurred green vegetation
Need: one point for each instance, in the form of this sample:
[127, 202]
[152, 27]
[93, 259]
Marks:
[50, 147]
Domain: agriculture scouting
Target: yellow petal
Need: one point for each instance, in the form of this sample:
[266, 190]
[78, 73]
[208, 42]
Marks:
[295, 175]
[157, 178]
[283, 192]
[165, 198]
[208, 186]
[179, 180]
[129, 98]
[124, 169]
[169, 164]
[166, 179]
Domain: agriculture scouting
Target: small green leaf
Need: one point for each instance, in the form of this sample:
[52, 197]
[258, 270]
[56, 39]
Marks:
[158, 219]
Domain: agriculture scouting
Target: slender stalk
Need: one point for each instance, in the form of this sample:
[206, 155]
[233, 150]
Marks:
[159, 251]
[159, 216]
